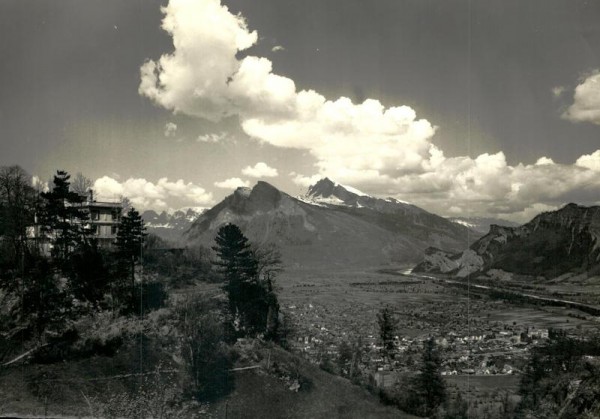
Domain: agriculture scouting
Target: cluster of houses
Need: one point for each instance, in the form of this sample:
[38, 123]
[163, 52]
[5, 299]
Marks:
[490, 349]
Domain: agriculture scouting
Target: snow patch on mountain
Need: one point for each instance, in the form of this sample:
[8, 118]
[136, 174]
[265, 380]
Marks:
[353, 190]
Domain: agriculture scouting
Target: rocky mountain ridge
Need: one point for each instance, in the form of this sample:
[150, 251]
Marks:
[170, 226]
[551, 244]
[356, 230]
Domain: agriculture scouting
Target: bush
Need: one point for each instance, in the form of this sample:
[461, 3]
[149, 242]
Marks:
[69, 346]
[158, 396]
[208, 359]
[153, 296]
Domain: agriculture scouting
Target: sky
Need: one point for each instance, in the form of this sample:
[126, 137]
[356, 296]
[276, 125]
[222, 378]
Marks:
[464, 108]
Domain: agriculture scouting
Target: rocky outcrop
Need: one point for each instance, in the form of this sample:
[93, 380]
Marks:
[550, 245]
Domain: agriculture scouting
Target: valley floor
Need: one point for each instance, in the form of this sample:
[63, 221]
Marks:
[483, 339]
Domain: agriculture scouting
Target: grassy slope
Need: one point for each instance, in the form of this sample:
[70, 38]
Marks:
[261, 395]
[258, 393]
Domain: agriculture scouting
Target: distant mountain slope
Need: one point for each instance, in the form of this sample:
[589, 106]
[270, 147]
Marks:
[551, 244]
[167, 226]
[363, 231]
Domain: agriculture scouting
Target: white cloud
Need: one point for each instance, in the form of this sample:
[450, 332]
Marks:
[232, 183]
[557, 91]
[304, 181]
[386, 151]
[145, 194]
[544, 160]
[590, 161]
[528, 213]
[170, 129]
[39, 185]
[260, 170]
[277, 48]
[212, 137]
[586, 101]
[354, 140]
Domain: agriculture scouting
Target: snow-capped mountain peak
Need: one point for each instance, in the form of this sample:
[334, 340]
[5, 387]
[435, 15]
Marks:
[328, 192]
[325, 191]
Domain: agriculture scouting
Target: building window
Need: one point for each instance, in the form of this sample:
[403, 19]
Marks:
[113, 230]
[95, 215]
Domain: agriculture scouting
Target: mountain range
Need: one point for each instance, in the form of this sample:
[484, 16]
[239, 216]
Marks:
[332, 225]
[170, 226]
[550, 245]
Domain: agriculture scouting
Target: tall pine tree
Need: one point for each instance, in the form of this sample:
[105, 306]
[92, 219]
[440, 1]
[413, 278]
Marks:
[387, 327]
[430, 384]
[63, 218]
[252, 303]
[130, 237]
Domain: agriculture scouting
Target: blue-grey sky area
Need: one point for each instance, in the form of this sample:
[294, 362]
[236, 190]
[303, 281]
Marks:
[462, 107]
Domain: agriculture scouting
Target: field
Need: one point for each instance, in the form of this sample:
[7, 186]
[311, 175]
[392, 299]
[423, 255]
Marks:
[365, 292]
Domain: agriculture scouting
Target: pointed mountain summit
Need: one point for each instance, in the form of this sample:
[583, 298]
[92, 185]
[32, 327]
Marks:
[358, 230]
[327, 192]
[325, 189]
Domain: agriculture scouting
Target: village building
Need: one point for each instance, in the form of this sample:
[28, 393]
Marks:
[103, 218]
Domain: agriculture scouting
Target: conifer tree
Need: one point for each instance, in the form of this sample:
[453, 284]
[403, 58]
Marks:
[430, 384]
[252, 302]
[130, 236]
[387, 326]
[63, 217]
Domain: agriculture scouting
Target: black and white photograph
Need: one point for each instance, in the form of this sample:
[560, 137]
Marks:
[235, 209]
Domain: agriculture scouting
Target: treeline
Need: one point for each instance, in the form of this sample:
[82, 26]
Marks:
[52, 268]
[177, 267]
[562, 379]
[66, 297]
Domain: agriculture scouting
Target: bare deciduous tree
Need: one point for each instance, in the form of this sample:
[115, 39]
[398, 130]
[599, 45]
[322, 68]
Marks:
[81, 184]
[17, 207]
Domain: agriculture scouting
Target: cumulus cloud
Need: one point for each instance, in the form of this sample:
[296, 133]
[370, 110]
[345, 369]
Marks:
[232, 183]
[304, 181]
[383, 140]
[145, 194]
[213, 137]
[590, 161]
[544, 160]
[586, 101]
[487, 185]
[384, 150]
[526, 214]
[260, 170]
[277, 48]
[170, 129]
